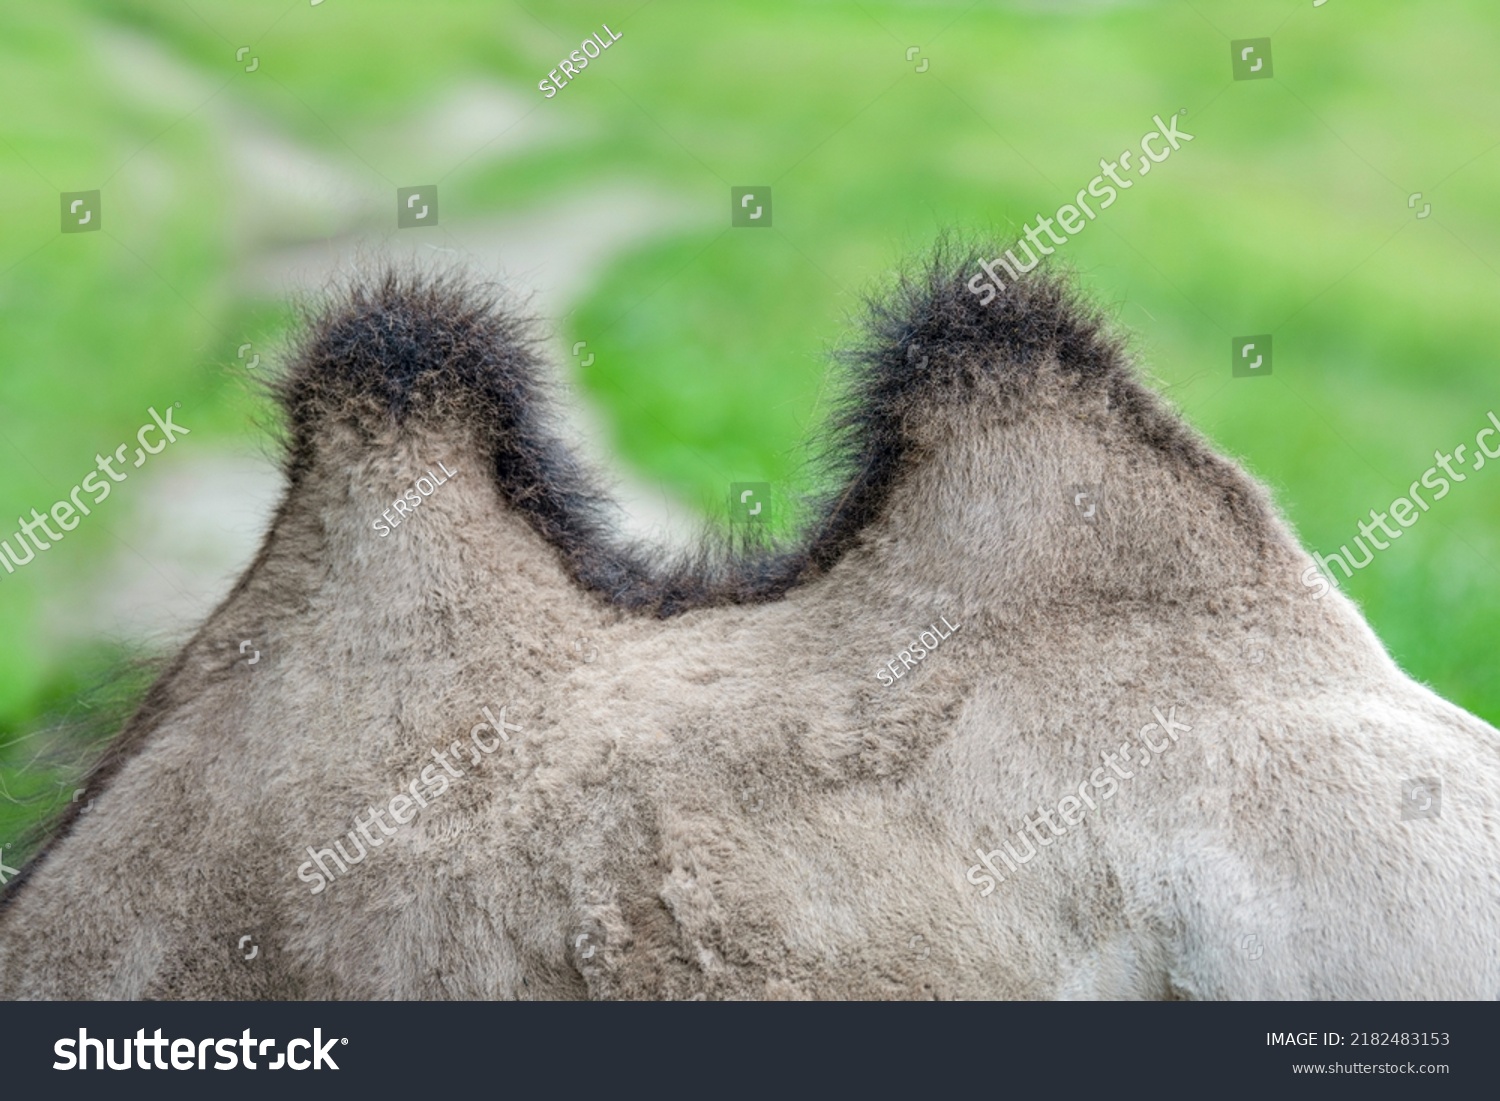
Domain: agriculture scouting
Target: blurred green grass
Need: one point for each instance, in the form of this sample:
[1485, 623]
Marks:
[1287, 214]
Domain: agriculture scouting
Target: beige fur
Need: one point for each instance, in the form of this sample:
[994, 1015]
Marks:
[727, 803]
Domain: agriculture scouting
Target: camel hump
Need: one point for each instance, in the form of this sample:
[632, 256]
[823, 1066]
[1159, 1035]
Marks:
[405, 361]
[438, 364]
[964, 379]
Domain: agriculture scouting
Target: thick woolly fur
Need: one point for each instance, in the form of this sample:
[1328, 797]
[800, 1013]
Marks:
[727, 800]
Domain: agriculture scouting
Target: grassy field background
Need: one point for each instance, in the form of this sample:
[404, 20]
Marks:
[242, 148]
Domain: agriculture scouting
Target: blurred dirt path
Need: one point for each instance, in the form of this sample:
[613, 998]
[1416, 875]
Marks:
[301, 216]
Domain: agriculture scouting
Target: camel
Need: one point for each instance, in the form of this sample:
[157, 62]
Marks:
[1038, 705]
